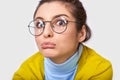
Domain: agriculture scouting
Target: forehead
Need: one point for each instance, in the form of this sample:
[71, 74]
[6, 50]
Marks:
[51, 9]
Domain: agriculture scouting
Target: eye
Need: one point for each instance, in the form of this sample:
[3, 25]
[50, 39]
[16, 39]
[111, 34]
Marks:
[61, 23]
[39, 24]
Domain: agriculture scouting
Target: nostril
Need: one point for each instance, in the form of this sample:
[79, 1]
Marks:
[49, 35]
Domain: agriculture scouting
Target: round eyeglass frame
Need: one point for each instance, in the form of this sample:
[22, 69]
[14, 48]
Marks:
[51, 25]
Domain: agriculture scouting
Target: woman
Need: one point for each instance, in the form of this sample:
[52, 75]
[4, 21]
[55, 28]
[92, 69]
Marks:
[60, 28]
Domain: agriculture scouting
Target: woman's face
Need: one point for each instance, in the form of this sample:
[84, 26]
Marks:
[58, 47]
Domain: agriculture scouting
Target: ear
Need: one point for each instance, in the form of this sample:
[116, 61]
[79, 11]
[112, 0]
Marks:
[82, 34]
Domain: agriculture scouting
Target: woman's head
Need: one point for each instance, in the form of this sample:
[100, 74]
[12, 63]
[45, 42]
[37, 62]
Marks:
[53, 16]
[77, 10]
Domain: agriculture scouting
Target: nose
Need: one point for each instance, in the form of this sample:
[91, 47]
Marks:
[48, 31]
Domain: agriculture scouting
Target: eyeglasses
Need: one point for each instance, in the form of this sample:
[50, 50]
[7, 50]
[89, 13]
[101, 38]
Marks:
[58, 25]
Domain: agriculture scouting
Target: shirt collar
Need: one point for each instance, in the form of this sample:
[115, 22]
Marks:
[65, 67]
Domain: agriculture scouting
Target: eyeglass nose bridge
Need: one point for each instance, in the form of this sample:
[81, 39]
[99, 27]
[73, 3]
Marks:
[51, 25]
[50, 22]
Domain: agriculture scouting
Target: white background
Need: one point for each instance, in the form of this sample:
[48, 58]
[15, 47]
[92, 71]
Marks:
[16, 44]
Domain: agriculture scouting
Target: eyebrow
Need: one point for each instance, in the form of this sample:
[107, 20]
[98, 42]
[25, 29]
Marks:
[59, 15]
[56, 16]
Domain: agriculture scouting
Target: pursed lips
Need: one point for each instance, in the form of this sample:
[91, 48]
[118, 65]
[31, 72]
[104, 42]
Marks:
[48, 45]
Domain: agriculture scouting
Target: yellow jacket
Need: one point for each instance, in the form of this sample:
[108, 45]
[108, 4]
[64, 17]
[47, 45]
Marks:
[91, 66]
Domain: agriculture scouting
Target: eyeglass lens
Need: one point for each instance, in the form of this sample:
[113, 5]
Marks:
[58, 25]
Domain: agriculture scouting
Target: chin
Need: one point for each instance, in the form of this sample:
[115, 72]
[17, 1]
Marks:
[49, 55]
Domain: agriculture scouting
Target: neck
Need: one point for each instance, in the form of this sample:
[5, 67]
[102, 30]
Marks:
[66, 69]
[62, 59]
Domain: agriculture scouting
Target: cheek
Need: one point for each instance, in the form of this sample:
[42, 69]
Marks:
[71, 35]
[68, 39]
[67, 45]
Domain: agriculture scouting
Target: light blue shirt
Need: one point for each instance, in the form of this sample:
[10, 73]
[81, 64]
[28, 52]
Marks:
[63, 71]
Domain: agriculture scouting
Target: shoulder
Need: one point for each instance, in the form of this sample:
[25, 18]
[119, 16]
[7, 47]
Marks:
[92, 64]
[93, 57]
[36, 57]
[34, 60]
[32, 68]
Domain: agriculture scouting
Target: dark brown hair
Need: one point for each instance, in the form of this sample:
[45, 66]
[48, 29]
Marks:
[77, 10]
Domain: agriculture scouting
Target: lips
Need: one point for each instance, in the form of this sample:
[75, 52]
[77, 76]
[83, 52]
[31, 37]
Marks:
[48, 45]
